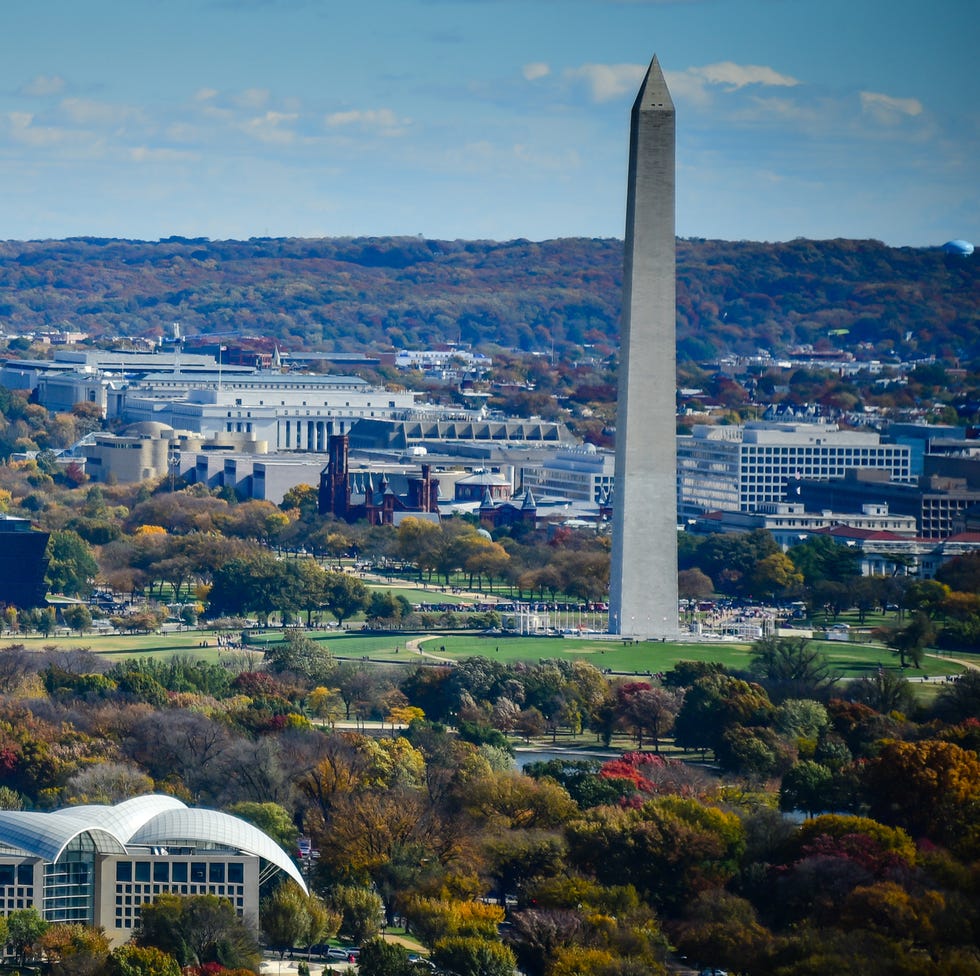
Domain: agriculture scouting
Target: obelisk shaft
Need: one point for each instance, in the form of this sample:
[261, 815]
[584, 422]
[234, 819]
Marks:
[643, 577]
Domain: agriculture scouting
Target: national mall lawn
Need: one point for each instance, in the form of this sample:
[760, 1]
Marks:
[617, 656]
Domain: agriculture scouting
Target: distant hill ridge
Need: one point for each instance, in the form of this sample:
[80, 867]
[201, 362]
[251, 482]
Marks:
[351, 293]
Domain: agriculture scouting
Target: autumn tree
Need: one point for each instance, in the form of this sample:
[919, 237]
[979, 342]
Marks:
[929, 788]
[669, 848]
[75, 950]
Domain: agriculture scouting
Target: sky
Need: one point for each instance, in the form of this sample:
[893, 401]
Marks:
[485, 119]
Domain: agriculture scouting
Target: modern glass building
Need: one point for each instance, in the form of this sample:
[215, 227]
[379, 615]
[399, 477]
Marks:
[99, 864]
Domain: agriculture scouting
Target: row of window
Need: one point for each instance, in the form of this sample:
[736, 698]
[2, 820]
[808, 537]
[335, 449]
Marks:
[213, 872]
[140, 892]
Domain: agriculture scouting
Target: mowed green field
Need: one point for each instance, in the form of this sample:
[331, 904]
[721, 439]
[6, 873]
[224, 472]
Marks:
[851, 660]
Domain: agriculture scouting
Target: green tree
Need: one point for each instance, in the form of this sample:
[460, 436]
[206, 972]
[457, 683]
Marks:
[135, 960]
[716, 703]
[25, 926]
[198, 929]
[470, 956]
[271, 818]
[344, 595]
[72, 567]
[806, 786]
[283, 918]
[361, 910]
[909, 642]
[78, 617]
[822, 558]
[790, 667]
[299, 655]
[381, 958]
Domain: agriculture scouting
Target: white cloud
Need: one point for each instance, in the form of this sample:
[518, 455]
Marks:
[252, 98]
[698, 84]
[382, 120]
[82, 111]
[735, 76]
[20, 128]
[145, 154]
[607, 81]
[205, 94]
[534, 70]
[271, 127]
[44, 85]
[887, 110]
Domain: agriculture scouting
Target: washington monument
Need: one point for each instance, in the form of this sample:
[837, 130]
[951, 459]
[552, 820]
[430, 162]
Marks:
[643, 577]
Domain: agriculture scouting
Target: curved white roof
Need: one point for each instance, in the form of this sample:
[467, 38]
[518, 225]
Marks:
[46, 837]
[187, 827]
[154, 820]
[125, 818]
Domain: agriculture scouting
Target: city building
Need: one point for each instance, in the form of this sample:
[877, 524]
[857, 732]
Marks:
[97, 865]
[424, 429]
[23, 563]
[372, 495]
[440, 361]
[740, 468]
[584, 474]
[480, 485]
[790, 523]
[501, 513]
[292, 412]
[936, 502]
[154, 450]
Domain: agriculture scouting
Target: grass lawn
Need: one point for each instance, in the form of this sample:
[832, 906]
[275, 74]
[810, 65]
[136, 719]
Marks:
[852, 660]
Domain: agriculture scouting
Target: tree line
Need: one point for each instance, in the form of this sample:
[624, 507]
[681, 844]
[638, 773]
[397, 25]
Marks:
[568, 866]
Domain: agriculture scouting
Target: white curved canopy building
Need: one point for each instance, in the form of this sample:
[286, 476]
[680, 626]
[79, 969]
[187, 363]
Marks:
[98, 864]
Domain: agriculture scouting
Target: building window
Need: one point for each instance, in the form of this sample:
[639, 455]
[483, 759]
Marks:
[124, 870]
[142, 870]
[217, 873]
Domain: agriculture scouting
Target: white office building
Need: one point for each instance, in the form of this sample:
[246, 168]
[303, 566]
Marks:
[741, 468]
[291, 412]
[584, 474]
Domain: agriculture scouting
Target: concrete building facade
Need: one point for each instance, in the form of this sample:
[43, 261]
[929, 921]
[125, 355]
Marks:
[740, 468]
[643, 577]
[98, 865]
[584, 474]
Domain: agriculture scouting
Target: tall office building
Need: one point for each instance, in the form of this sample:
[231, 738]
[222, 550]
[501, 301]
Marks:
[643, 578]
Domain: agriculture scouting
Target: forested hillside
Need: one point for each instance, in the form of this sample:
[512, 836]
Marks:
[338, 294]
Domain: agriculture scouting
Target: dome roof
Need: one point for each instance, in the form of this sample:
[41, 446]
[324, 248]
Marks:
[153, 820]
[148, 428]
[958, 247]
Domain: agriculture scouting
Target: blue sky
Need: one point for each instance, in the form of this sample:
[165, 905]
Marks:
[484, 119]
